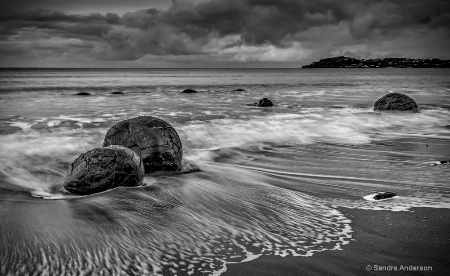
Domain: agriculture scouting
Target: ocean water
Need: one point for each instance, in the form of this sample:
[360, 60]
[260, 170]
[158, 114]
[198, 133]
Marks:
[271, 180]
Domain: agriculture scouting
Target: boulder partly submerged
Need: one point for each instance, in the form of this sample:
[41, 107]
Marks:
[102, 169]
[396, 102]
[435, 163]
[380, 196]
[154, 140]
[189, 91]
[83, 94]
[264, 102]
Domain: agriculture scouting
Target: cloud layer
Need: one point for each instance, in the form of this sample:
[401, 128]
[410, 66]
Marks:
[228, 33]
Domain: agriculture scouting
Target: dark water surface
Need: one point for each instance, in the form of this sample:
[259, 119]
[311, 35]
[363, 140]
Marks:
[270, 180]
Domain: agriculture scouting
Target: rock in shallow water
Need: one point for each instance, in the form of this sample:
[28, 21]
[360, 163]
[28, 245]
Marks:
[380, 196]
[396, 101]
[153, 139]
[189, 91]
[384, 195]
[265, 102]
[102, 169]
[83, 94]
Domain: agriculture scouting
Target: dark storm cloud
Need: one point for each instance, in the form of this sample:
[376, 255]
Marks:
[236, 30]
[80, 6]
[261, 21]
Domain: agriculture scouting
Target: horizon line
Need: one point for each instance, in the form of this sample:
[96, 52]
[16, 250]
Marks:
[150, 68]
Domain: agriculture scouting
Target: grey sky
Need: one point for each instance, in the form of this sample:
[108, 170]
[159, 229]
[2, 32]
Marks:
[218, 33]
[82, 6]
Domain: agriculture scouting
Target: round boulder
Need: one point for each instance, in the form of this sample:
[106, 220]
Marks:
[153, 139]
[189, 91]
[83, 94]
[102, 169]
[396, 101]
[265, 102]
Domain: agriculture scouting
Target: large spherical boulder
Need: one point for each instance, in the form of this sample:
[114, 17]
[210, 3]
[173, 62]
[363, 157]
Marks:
[102, 169]
[153, 139]
[396, 101]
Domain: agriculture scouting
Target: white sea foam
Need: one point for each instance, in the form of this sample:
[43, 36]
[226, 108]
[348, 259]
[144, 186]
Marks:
[38, 161]
[314, 125]
[24, 126]
[195, 224]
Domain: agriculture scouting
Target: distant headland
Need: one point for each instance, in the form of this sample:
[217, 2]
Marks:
[349, 62]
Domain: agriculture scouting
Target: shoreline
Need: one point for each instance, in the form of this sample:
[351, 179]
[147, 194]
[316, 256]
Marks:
[415, 242]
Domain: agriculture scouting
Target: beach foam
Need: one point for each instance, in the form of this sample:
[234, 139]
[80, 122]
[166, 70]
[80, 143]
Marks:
[314, 125]
[37, 161]
[194, 224]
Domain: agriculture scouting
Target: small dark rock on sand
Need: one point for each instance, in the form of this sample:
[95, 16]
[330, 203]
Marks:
[153, 139]
[102, 169]
[83, 94]
[265, 102]
[384, 195]
[396, 101]
[189, 91]
[117, 93]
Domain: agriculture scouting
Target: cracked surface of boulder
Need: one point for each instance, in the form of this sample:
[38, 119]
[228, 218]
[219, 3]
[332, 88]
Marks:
[102, 169]
[396, 101]
[153, 139]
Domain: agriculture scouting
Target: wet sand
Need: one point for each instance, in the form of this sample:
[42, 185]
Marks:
[383, 240]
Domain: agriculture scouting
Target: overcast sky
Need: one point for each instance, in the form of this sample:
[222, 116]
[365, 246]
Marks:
[217, 33]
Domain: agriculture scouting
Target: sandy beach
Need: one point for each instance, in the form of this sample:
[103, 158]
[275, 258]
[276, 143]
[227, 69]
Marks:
[416, 242]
